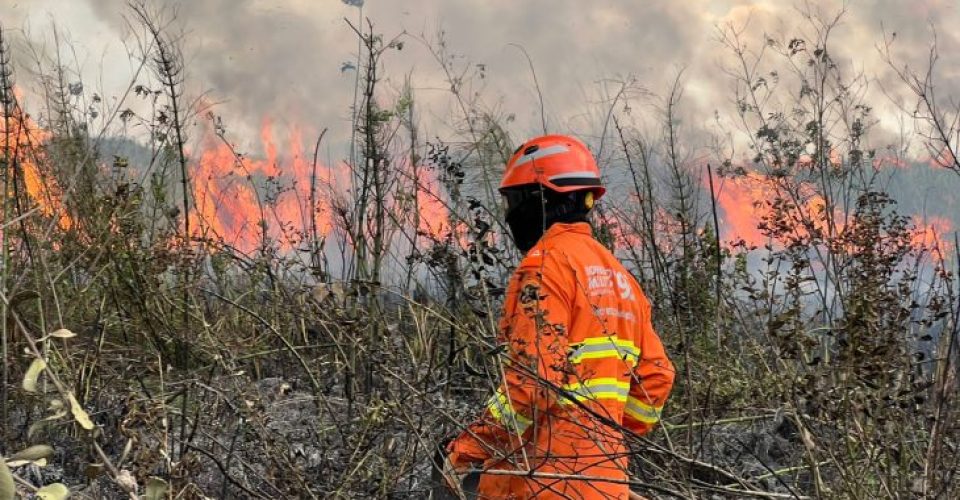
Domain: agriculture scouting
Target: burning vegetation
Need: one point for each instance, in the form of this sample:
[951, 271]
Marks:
[185, 319]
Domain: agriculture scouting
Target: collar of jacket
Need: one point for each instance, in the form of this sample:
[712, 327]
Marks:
[561, 227]
[537, 252]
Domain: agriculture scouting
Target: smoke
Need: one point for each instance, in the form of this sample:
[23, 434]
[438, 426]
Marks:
[295, 60]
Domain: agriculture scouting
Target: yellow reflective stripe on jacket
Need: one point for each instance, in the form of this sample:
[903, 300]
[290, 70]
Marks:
[596, 389]
[638, 410]
[605, 347]
[504, 413]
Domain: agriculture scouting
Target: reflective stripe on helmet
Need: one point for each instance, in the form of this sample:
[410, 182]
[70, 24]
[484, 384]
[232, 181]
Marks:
[605, 347]
[540, 153]
[638, 410]
[597, 389]
[584, 174]
[504, 413]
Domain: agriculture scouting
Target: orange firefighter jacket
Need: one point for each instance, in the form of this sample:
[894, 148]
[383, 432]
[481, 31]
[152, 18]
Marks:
[581, 361]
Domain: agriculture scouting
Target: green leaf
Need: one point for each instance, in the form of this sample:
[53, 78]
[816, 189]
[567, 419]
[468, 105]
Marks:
[35, 452]
[33, 373]
[55, 491]
[7, 489]
[156, 489]
[79, 414]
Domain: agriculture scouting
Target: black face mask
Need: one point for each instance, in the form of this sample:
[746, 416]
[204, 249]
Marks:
[531, 210]
[526, 221]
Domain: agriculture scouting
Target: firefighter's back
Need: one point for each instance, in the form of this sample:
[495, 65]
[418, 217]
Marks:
[581, 436]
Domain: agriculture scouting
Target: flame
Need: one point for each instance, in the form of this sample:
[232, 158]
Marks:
[892, 161]
[667, 230]
[740, 200]
[745, 209]
[24, 143]
[246, 201]
[433, 220]
[929, 232]
[281, 196]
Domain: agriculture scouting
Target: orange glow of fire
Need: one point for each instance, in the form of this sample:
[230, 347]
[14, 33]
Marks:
[24, 141]
[230, 203]
[667, 229]
[892, 161]
[433, 220]
[627, 237]
[944, 158]
[228, 206]
[743, 209]
[929, 233]
[740, 202]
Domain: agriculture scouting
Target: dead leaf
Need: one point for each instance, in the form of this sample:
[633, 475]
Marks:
[156, 489]
[42, 462]
[7, 490]
[321, 292]
[93, 471]
[35, 427]
[56, 406]
[35, 452]
[33, 373]
[23, 296]
[55, 491]
[59, 412]
[79, 414]
[126, 451]
[126, 481]
[62, 333]
[337, 289]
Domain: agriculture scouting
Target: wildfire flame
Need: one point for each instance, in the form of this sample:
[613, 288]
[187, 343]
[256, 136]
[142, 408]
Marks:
[929, 233]
[433, 214]
[744, 207]
[229, 205]
[20, 139]
[283, 196]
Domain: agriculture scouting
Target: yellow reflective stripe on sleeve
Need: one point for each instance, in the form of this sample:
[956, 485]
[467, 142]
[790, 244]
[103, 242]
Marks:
[597, 389]
[605, 347]
[638, 410]
[504, 413]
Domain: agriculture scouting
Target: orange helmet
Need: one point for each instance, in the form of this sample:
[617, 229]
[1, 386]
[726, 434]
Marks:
[559, 162]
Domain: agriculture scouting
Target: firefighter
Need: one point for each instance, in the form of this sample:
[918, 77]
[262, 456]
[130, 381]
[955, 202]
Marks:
[582, 364]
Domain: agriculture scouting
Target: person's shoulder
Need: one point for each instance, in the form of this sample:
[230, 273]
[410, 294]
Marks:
[546, 258]
[535, 258]
[560, 249]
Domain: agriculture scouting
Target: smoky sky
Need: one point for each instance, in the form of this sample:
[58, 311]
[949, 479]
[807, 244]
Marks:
[285, 59]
